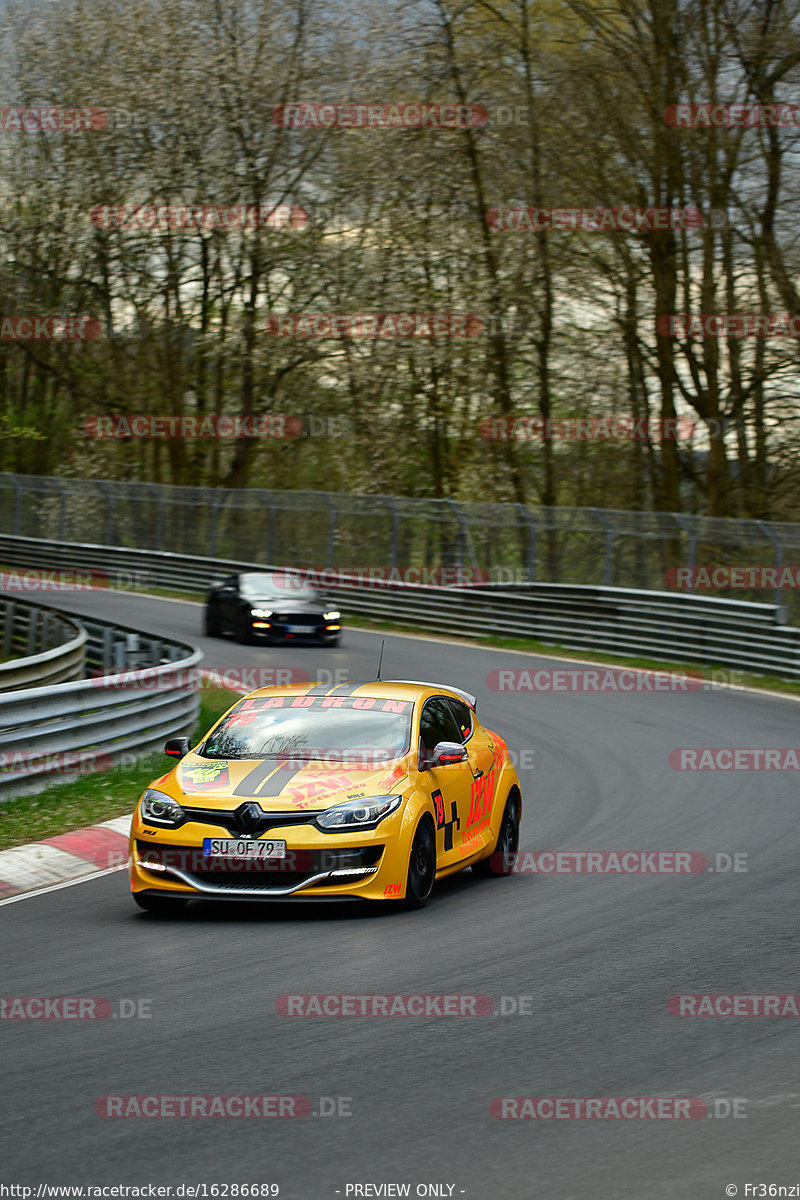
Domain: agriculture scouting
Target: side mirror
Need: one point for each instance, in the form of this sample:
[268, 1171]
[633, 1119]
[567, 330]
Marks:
[445, 754]
[177, 747]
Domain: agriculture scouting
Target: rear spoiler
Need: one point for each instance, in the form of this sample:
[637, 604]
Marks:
[445, 687]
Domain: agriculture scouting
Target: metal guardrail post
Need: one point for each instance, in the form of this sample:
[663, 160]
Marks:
[395, 517]
[530, 549]
[62, 508]
[689, 528]
[216, 503]
[466, 548]
[9, 618]
[778, 547]
[333, 513]
[155, 491]
[109, 499]
[597, 513]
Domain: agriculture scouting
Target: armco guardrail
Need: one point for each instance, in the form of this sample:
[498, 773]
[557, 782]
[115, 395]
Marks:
[659, 625]
[55, 733]
[537, 543]
[49, 646]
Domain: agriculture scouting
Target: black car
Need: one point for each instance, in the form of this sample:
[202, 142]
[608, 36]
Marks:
[271, 606]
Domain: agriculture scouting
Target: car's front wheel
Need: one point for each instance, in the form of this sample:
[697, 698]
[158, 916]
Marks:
[244, 630]
[164, 906]
[421, 866]
[500, 861]
[210, 623]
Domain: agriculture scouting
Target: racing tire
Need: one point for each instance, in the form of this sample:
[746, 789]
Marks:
[211, 624]
[162, 906]
[421, 866]
[244, 633]
[507, 842]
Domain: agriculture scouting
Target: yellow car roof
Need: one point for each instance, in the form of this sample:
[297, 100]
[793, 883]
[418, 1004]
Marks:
[400, 689]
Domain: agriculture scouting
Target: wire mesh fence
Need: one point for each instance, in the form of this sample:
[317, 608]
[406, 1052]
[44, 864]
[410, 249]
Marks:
[509, 543]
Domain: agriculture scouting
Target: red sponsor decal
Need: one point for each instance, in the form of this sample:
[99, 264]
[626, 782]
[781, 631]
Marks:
[481, 797]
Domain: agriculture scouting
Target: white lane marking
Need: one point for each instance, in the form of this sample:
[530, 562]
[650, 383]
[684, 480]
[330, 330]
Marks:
[56, 887]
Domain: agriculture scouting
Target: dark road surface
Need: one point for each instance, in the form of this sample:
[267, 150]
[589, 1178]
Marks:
[596, 959]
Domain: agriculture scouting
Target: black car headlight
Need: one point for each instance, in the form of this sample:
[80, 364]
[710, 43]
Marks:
[260, 612]
[358, 814]
[160, 809]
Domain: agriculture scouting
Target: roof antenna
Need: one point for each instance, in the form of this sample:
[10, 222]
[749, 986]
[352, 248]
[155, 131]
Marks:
[380, 660]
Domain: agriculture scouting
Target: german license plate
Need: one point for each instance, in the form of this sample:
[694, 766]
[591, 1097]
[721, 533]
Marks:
[242, 848]
[300, 628]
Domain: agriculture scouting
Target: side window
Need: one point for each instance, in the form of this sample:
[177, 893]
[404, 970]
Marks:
[463, 717]
[437, 724]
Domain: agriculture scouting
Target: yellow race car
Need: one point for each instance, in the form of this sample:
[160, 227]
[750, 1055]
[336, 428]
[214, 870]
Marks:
[367, 790]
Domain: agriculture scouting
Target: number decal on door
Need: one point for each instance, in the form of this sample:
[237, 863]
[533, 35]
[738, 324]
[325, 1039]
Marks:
[481, 799]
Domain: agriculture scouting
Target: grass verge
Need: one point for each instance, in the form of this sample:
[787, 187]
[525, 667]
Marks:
[92, 798]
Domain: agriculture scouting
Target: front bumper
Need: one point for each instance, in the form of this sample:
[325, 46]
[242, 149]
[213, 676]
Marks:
[369, 864]
[297, 628]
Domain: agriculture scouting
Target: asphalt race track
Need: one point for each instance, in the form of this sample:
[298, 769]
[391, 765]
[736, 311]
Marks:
[594, 957]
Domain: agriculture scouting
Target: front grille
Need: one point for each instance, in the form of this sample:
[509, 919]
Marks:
[249, 880]
[230, 820]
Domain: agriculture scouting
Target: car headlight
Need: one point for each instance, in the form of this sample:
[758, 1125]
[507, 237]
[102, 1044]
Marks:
[260, 612]
[358, 814]
[160, 809]
[331, 616]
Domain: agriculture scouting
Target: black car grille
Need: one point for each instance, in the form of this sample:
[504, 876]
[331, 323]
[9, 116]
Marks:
[296, 867]
[297, 619]
[237, 824]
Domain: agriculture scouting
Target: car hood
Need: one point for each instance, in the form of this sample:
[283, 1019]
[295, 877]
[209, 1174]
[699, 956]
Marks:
[285, 603]
[281, 785]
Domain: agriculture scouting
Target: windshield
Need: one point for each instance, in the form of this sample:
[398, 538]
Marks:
[321, 728]
[280, 586]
